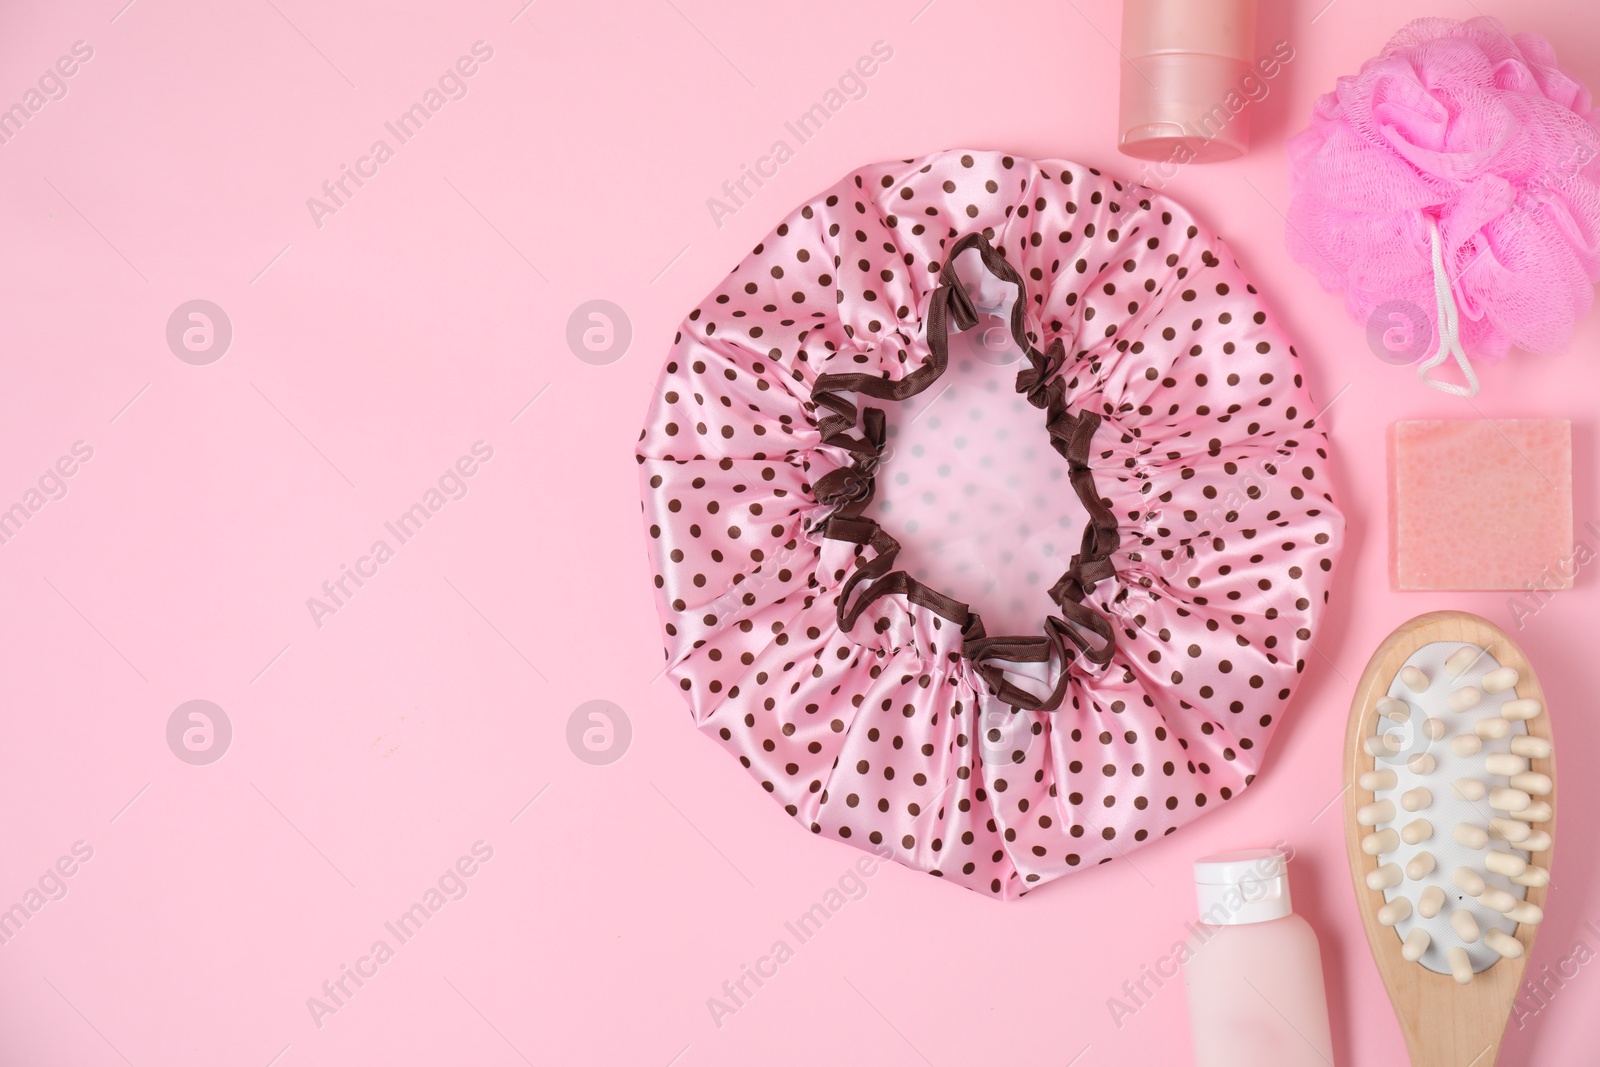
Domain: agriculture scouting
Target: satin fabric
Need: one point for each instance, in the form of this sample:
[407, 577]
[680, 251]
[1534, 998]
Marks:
[1207, 453]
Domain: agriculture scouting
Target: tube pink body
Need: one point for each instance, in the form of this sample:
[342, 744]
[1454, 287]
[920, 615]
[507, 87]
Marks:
[1256, 996]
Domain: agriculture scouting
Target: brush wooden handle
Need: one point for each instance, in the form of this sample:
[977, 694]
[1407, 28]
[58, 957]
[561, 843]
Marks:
[1445, 1024]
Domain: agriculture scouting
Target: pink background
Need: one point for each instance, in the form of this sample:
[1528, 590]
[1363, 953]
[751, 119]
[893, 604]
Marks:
[370, 753]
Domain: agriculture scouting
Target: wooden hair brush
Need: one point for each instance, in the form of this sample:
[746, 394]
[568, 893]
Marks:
[1449, 816]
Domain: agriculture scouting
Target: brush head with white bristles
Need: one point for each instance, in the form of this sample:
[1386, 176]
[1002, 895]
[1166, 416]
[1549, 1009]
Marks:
[1456, 803]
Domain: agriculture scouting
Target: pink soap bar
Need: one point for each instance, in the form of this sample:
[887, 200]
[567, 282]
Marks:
[1481, 504]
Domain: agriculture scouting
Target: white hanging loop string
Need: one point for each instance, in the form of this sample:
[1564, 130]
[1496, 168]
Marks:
[1449, 327]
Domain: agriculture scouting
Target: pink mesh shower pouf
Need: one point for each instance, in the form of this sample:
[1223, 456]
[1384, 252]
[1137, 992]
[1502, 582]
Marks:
[976, 384]
[1451, 188]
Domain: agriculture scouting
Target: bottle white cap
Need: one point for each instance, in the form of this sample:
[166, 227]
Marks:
[1248, 886]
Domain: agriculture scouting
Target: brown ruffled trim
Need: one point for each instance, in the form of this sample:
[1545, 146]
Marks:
[849, 490]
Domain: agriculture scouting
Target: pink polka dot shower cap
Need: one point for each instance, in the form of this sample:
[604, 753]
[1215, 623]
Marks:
[989, 517]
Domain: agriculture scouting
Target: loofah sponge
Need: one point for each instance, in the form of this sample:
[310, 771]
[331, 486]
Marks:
[1462, 138]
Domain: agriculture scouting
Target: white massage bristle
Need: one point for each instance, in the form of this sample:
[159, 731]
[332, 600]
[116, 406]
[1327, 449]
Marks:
[1531, 747]
[1508, 799]
[1394, 710]
[1499, 680]
[1470, 836]
[1507, 863]
[1497, 900]
[1421, 865]
[1379, 811]
[1521, 710]
[1469, 789]
[1397, 910]
[1415, 944]
[1416, 799]
[1460, 965]
[1466, 745]
[1503, 943]
[1538, 811]
[1504, 763]
[1376, 844]
[1372, 781]
[1465, 926]
[1527, 914]
[1513, 830]
[1536, 841]
[1386, 744]
[1413, 678]
[1430, 902]
[1385, 877]
[1468, 881]
[1434, 729]
[1461, 660]
[1492, 729]
[1416, 831]
[1422, 763]
[1468, 696]
[1532, 877]
[1532, 783]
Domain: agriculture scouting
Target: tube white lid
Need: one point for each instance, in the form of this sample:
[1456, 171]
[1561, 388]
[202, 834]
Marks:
[1247, 886]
